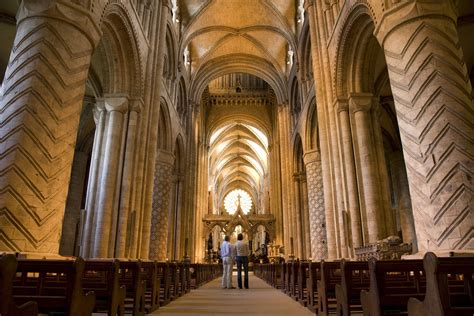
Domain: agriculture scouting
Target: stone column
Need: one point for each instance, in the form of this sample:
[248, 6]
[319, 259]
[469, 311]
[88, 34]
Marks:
[286, 187]
[323, 95]
[407, 222]
[347, 145]
[305, 206]
[433, 100]
[126, 203]
[317, 213]
[109, 175]
[43, 90]
[93, 185]
[361, 105]
[154, 74]
[298, 215]
[161, 200]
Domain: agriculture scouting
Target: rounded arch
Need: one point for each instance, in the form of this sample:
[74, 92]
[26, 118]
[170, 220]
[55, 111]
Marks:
[170, 58]
[356, 49]
[298, 163]
[164, 128]
[238, 63]
[312, 131]
[117, 62]
[179, 154]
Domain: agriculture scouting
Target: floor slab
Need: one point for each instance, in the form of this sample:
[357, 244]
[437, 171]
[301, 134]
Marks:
[211, 299]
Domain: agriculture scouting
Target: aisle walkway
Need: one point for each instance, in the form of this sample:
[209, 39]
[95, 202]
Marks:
[210, 299]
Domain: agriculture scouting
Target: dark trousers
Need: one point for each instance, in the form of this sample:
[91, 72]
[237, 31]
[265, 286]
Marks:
[243, 260]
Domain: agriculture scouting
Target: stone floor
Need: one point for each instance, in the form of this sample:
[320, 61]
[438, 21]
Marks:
[210, 299]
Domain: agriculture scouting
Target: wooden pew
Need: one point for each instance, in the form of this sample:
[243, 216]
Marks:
[330, 276]
[55, 285]
[130, 275]
[149, 271]
[302, 283]
[443, 298]
[392, 283]
[8, 265]
[354, 278]
[102, 277]
[314, 274]
[164, 277]
[283, 277]
[294, 268]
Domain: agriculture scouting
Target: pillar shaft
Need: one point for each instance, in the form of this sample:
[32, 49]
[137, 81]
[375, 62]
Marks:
[161, 207]
[317, 214]
[350, 174]
[94, 173]
[322, 91]
[433, 100]
[105, 229]
[43, 88]
[361, 106]
[126, 203]
[154, 72]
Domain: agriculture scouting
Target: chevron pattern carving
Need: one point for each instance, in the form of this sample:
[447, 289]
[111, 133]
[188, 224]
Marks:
[432, 93]
[39, 113]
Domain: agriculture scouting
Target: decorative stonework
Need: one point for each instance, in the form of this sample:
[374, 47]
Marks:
[160, 211]
[432, 94]
[40, 108]
[317, 217]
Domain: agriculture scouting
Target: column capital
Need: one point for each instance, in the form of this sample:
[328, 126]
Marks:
[408, 11]
[115, 103]
[308, 3]
[341, 105]
[136, 105]
[65, 11]
[311, 156]
[360, 102]
[165, 157]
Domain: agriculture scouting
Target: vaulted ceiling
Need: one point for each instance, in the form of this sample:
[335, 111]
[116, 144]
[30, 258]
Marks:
[260, 30]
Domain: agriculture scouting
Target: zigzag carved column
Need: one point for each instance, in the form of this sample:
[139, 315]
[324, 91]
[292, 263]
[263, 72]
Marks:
[39, 114]
[432, 96]
[161, 206]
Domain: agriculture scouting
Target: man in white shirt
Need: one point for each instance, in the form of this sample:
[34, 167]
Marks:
[227, 255]
[243, 253]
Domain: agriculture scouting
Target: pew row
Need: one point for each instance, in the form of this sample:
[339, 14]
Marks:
[449, 287]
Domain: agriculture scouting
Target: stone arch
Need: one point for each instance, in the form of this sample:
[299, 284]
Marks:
[117, 61]
[301, 227]
[238, 63]
[164, 128]
[295, 99]
[357, 31]
[312, 132]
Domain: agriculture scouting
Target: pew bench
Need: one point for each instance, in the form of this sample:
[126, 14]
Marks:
[102, 277]
[392, 283]
[131, 277]
[8, 265]
[314, 274]
[55, 285]
[354, 279]
[330, 276]
[449, 287]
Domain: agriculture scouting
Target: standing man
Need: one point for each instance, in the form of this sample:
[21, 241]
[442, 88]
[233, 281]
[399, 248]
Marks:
[227, 262]
[243, 253]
